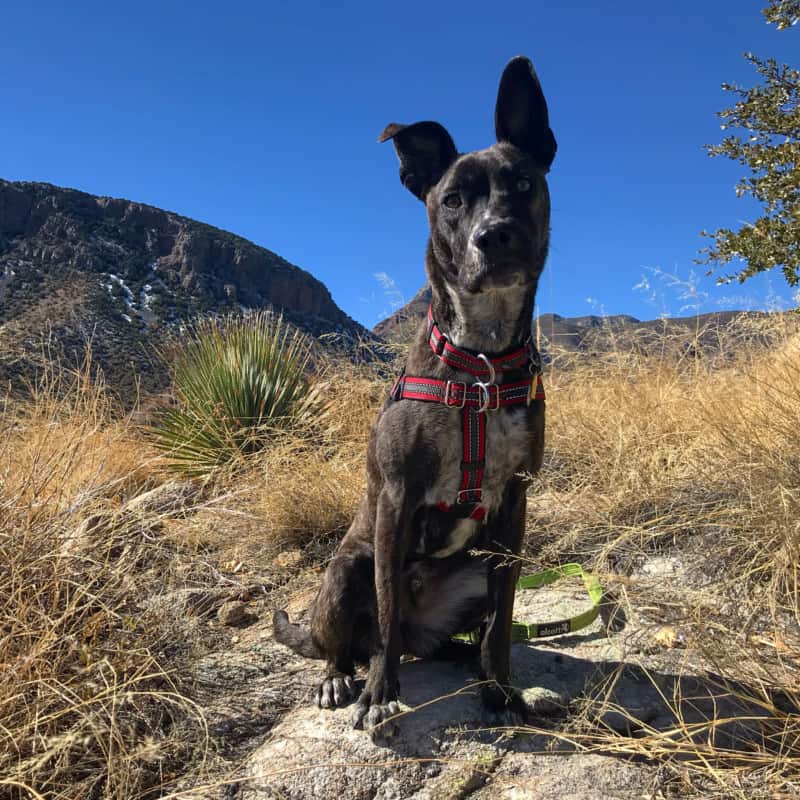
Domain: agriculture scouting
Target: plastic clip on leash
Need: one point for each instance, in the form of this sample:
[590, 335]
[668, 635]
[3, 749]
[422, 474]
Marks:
[525, 631]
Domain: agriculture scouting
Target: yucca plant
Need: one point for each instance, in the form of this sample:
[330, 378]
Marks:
[237, 380]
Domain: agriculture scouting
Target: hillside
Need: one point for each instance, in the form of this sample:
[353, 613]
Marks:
[76, 268]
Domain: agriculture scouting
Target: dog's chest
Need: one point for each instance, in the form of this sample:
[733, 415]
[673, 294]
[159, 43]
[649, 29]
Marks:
[507, 452]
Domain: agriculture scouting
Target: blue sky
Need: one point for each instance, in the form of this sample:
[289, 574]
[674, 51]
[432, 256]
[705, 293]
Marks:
[262, 118]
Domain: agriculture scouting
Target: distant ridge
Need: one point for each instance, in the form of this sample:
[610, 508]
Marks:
[591, 333]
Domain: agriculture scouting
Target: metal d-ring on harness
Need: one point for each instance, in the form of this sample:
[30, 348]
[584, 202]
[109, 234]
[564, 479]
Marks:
[484, 387]
[475, 402]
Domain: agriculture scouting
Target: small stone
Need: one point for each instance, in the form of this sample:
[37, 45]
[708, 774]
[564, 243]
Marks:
[288, 559]
[87, 533]
[232, 612]
[668, 637]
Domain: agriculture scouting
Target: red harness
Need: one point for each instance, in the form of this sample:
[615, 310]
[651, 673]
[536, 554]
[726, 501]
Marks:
[475, 401]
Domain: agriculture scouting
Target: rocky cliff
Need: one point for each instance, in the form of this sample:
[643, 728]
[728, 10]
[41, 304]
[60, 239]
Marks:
[75, 267]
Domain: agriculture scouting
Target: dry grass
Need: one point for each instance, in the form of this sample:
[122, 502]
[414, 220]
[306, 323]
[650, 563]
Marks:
[89, 705]
[648, 454]
[698, 458]
[93, 668]
[313, 479]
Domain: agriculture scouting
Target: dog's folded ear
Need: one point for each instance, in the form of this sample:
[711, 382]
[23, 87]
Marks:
[425, 150]
[520, 115]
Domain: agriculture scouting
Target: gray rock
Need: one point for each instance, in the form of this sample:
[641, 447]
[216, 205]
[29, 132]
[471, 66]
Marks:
[232, 612]
[317, 753]
[447, 746]
[568, 776]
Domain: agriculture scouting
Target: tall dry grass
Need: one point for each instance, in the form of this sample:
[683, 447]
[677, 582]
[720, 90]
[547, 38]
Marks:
[95, 676]
[313, 479]
[645, 451]
[90, 704]
[698, 457]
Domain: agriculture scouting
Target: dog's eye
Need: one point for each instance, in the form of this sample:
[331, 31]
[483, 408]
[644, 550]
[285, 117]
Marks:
[523, 185]
[452, 200]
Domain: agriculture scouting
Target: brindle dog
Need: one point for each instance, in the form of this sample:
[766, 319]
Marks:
[402, 580]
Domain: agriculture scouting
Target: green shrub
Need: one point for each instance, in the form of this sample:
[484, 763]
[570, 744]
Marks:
[237, 380]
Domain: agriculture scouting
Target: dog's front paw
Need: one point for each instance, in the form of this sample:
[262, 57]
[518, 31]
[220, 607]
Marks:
[379, 720]
[376, 711]
[505, 704]
[335, 691]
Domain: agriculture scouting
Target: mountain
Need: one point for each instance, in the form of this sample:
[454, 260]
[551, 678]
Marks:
[76, 268]
[400, 326]
[599, 334]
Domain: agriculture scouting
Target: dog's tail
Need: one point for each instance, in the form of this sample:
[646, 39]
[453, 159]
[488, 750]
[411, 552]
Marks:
[293, 636]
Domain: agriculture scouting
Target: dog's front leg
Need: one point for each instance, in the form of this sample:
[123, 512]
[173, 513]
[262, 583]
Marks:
[506, 535]
[378, 701]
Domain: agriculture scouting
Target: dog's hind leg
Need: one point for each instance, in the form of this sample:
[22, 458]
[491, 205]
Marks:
[338, 626]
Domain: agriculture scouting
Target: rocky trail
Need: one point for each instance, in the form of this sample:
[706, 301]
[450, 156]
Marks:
[581, 689]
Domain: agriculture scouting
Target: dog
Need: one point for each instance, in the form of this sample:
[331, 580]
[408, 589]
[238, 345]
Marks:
[461, 425]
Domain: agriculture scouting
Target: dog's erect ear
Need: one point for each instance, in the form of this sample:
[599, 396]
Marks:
[520, 116]
[425, 150]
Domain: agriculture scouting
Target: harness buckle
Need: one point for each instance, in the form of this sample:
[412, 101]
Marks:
[534, 359]
[485, 390]
[448, 394]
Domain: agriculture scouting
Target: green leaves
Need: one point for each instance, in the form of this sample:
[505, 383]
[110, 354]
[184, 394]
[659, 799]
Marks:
[237, 381]
[768, 116]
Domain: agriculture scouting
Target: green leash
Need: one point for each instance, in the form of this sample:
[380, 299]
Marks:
[523, 631]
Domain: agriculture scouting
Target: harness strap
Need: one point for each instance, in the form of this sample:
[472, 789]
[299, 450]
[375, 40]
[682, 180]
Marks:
[474, 458]
[466, 362]
[474, 402]
[457, 394]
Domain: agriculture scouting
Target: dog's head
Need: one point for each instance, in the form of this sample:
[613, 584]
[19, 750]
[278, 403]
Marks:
[489, 210]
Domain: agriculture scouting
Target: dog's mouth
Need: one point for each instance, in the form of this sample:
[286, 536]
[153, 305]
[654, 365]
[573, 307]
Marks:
[488, 276]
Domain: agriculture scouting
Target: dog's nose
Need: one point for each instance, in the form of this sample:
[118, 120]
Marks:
[496, 237]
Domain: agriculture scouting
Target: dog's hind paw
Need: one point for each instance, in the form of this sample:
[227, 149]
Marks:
[505, 704]
[336, 691]
[379, 720]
